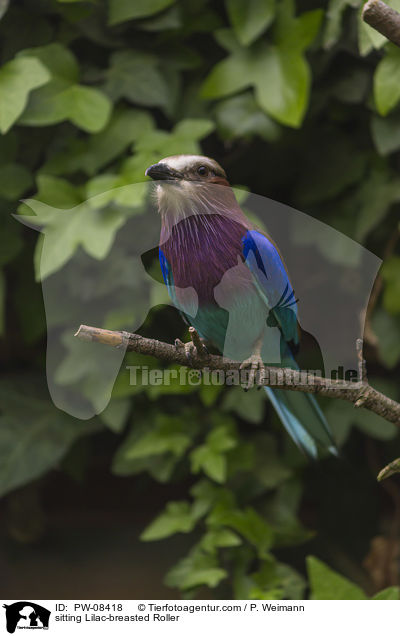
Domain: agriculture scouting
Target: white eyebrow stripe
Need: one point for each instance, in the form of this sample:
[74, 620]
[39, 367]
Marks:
[186, 162]
[183, 161]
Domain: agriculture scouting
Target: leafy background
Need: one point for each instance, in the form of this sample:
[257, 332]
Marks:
[193, 492]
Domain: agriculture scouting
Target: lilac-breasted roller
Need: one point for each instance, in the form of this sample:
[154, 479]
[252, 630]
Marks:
[229, 282]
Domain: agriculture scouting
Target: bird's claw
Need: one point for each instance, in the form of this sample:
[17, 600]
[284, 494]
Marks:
[256, 373]
[195, 347]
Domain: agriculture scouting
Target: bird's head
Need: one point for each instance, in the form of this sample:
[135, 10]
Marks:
[186, 183]
[180, 170]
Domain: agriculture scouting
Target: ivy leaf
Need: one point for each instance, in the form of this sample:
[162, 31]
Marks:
[198, 568]
[246, 522]
[15, 179]
[388, 594]
[122, 10]
[250, 18]
[10, 238]
[63, 98]
[177, 517]
[34, 434]
[368, 422]
[59, 60]
[2, 302]
[219, 538]
[373, 200]
[137, 76]
[86, 107]
[368, 37]
[3, 7]
[170, 434]
[183, 139]
[115, 414]
[89, 155]
[391, 274]
[57, 192]
[17, 79]
[387, 80]
[240, 116]
[64, 230]
[387, 330]
[386, 133]
[210, 457]
[333, 24]
[329, 585]
[250, 407]
[281, 65]
[328, 169]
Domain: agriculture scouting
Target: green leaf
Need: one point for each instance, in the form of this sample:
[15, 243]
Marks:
[2, 303]
[391, 275]
[219, 538]
[333, 24]
[276, 581]
[137, 76]
[86, 107]
[386, 133]
[368, 422]
[270, 468]
[59, 60]
[282, 66]
[250, 405]
[210, 457]
[122, 10]
[388, 594]
[246, 522]
[373, 200]
[387, 80]
[329, 585]
[198, 568]
[240, 116]
[57, 192]
[89, 155]
[387, 330]
[177, 517]
[329, 168]
[115, 414]
[170, 435]
[368, 37]
[10, 238]
[15, 179]
[183, 139]
[34, 434]
[3, 7]
[250, 18]
[17, 79]
[65, 230]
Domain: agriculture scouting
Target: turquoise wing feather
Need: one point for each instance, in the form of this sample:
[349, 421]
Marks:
[299, 412]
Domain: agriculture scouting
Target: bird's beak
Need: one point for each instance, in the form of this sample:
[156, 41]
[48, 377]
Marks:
[162, 172]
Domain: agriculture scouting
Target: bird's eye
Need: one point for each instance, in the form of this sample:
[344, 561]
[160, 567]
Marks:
[202, 171]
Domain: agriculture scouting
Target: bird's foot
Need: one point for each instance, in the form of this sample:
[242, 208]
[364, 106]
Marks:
[256, 371]
[193, 349]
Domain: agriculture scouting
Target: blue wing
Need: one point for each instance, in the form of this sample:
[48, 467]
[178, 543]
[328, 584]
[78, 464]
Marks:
[272, 281]
[299, 412]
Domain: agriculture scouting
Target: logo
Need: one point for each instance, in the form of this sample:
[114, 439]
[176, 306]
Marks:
[26, 615]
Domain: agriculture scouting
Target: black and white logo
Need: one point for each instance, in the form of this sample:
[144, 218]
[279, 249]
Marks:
[26, 615]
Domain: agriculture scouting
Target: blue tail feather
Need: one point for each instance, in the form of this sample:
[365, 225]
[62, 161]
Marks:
[303, 420]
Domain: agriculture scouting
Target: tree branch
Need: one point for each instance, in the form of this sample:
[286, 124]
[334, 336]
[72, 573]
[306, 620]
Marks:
[359, 393]
[383, 19]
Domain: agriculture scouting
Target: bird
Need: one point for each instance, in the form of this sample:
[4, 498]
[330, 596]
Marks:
[229, 282]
